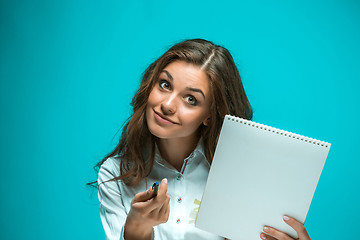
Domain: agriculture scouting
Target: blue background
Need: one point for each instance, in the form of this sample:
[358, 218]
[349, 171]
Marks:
[69, 69]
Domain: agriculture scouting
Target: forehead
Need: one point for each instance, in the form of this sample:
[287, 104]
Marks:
[188, 75]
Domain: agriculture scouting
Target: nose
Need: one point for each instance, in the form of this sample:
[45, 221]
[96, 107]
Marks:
[168, 106]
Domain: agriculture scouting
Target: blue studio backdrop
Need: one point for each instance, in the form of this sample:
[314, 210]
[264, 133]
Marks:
[68, 71]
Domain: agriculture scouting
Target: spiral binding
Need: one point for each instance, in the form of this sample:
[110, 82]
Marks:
[277, 131]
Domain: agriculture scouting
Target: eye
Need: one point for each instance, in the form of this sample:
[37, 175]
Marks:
[191, 100]
[164, 84]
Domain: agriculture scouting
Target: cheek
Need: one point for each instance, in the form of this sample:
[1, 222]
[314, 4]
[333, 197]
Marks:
[150, 98]
[154, 98]
[192, 119]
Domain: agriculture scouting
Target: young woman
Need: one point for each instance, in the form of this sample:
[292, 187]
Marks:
[171, 136]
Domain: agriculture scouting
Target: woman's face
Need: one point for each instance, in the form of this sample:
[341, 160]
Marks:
[179, 102]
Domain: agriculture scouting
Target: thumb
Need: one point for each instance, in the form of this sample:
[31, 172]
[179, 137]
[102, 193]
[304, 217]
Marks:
[298, 227]
[163, 187]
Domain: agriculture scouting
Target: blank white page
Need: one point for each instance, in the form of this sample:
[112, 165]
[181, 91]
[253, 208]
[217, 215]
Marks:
[259, 174]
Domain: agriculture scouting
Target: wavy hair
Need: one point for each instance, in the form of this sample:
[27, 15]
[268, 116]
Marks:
[227, 97]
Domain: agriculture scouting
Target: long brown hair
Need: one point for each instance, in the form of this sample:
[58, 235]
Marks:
[228, 97]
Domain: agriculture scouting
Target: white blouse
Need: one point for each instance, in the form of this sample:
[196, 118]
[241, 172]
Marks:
[185, 189]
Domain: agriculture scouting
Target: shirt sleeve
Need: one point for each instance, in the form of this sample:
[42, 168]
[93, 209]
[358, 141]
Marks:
[112, 210]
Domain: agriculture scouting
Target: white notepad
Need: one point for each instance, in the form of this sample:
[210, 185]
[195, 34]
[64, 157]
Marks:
[259, 174]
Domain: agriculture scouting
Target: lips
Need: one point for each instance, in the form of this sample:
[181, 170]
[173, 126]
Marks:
[162, 119]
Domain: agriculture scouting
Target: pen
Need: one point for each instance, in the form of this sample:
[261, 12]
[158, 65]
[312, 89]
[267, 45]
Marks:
[155, 186]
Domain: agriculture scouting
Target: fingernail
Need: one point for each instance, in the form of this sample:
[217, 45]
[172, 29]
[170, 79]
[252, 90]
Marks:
[263, 236]
[266, 229]
[286, 218]
[165, 180]
[148, 191]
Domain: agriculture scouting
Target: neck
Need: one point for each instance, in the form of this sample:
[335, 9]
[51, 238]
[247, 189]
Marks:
[175, 150]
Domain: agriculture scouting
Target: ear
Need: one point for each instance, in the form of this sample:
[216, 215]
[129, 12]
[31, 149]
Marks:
[206, 122]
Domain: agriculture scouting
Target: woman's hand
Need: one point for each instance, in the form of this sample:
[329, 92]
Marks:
[147, 212]
[273, 234]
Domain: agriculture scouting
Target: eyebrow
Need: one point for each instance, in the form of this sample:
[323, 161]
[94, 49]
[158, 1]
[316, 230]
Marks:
[188, 88]
[168, 74]
[196, 90]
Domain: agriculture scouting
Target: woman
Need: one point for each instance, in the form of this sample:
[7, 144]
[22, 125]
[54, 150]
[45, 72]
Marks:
[172, 134]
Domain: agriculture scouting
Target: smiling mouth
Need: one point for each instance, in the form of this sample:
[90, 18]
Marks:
[162, 119]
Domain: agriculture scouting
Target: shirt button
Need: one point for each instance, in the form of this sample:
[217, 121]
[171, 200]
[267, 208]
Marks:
[179, 200]
[179, 177]
[178, 221]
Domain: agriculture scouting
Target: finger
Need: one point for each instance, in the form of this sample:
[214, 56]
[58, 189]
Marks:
[161, 214]
[298, 227]
[167, 212]
[267, 237]
[277, 234]
[165, 206]
[143, 196]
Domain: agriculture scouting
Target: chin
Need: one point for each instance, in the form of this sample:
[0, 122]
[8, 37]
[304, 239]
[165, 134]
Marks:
[160, 133]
